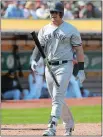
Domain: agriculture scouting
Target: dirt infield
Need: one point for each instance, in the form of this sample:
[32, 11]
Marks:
[81, 129]
[38, 129]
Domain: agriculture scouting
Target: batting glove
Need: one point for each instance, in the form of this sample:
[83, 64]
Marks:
[33, 65]
[81, 76]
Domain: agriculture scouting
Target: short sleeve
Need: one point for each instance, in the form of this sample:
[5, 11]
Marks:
[41, 38]
[76, 38]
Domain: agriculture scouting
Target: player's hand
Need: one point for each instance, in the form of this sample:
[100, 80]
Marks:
[33, 65]
[81, 76]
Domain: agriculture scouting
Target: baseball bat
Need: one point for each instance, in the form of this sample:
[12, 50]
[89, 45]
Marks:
[44, 56]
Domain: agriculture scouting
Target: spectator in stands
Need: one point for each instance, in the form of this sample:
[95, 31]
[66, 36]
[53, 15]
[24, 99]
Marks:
[10, 86]
[29, 10]
[22, 5]
[2, 10]
[92, 11]
[43, 12]
[4, 6]
[36, 81]
[67, 11]
[14, 11]
[81, 8]
[37, 4]
[76, 13]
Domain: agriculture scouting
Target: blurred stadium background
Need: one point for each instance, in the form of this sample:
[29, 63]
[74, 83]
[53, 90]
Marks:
[15, 34]
[15, 30]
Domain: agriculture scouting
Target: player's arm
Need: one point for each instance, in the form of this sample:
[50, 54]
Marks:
[79, 53]
[77, 46]
[36, 54]
[80, 59]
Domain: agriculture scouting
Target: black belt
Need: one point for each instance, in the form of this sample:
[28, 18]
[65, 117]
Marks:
[58, 62]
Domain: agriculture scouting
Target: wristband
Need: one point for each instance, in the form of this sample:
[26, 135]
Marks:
[81, 65]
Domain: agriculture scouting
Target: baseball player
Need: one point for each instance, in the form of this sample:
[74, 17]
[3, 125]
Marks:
[58, 39]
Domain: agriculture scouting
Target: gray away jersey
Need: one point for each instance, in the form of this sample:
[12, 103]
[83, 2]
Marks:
[58, 41]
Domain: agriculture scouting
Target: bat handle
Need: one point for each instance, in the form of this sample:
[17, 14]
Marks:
[52, 74]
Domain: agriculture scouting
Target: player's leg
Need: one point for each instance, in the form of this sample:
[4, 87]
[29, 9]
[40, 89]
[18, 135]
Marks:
[8, 94]
[58, 100]
[58, 93]
[68, 120]
[25, 93]
[51, 131]
[63, 77]
[16, 94]
[12, 94]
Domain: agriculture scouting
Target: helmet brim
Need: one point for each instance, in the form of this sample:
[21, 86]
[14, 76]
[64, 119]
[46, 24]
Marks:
[55, 10]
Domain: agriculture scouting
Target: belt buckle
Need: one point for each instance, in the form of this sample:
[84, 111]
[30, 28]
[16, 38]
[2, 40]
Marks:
[60, 62]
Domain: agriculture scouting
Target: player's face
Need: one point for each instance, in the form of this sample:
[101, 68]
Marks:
[55, 17]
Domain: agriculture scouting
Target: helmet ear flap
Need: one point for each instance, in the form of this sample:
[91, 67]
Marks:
[61, 14]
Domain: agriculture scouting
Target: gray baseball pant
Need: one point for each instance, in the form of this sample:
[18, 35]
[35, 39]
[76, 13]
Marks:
[59, 108]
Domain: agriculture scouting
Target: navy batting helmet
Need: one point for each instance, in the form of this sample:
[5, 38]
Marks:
[58, 6]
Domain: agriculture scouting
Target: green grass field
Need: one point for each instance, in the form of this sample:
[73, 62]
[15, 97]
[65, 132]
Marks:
[82, 114]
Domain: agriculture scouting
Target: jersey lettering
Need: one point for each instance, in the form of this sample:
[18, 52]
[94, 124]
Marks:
[54, 35]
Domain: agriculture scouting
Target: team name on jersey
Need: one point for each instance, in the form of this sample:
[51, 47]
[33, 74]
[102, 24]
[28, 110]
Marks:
[54, 35]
